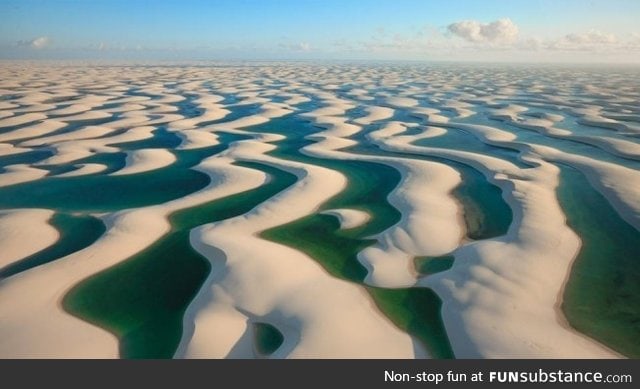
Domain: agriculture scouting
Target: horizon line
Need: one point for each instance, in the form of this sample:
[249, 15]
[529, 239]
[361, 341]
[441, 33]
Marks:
[323, 60]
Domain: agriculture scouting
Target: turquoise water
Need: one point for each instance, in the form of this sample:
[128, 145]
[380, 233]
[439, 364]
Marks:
[77, 124]
[73, 197]
[602, 295]
[357, 112]
[525, 136]
[485, 212]
[152, 329]
[113, 161]
[432, 265]
[456, 139]
[142, 300]
[100, 192]
[415, 310]
[29, 157]
[267, 338]
[237, 112]
[161, 139]
[7, 129]
[188, 108]
[76, 233]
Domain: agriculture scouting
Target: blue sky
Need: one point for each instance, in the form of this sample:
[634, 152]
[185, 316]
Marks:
[598, 30]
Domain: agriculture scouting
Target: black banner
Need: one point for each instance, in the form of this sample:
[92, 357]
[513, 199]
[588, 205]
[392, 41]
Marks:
[318, 373]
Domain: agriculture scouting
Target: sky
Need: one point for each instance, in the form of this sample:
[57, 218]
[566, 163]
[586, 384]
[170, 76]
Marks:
[424, 30]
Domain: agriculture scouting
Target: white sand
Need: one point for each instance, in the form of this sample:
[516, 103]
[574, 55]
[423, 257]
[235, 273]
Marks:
[615, 182]
[89, 115]
[622, 147]
[430, 114]
[429, 225]
[195, 139]
[253, 278]
[21, 226]
[34, 130]
[402, 102]
[16, 174]
[21, 119]
[375, 114]
[7, 149]
[483, 293]
[266, 113]
[70, 110]
[212, 112]
[501, 297]
[35, 325]
[144, 160]
[83, 133]
[84, 169]
[348, 218]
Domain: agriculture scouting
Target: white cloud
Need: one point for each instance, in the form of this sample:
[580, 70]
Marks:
[593, 40]
[591, 37]
[533, 44]
[496, 41]
[304, 46]
[499, 31]
[36, 43]
[300, 47]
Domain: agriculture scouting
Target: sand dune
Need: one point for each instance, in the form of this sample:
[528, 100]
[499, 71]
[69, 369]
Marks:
[229, 295]
[15, 174]
[193, 139]
[476, 285]
[375, 114]
[501, 296]
[139, 161]
[35, 130]
[429, 225]
[83, 133]
[38, 327]
[349, 218]
[21, 119]
[19, 226]
[84, 169]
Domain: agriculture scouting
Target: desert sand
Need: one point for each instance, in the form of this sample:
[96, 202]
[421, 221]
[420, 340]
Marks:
[501, 296]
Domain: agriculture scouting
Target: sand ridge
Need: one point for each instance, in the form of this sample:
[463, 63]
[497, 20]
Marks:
[500, 298]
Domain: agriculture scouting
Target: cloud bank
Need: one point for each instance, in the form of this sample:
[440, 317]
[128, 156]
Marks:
[499, 31]
[296, 47]
[591, 37]
[36, 43]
